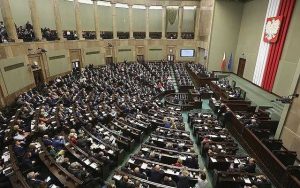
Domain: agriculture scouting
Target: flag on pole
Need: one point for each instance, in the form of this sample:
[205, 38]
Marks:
[223, 64]
[230, 63]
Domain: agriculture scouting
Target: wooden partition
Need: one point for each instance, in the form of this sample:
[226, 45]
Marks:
[268, 162]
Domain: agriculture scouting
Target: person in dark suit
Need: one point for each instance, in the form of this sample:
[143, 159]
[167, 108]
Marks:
[192, 162]
[156, 174]
[19, 149]
[168, 181]
[138, 173]
[250, 167]
[124, 183]
[184, 180]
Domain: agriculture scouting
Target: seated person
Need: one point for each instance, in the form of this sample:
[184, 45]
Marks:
[125, 183]
[138, 173]
[178, 163]
[168, 181]
[250, 167]
[78, 170]
[167, 122]
[184, 179]
[47, 141]
[192, 162]
[156, 174]
[19, 150]
[35, 179]
[28, 162]
[58, 142]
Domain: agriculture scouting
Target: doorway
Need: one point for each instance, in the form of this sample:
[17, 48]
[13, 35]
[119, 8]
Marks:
[140, 58]
[171, 58]
[38, 77]
[241, 67]
[76, 66]
[108, 60]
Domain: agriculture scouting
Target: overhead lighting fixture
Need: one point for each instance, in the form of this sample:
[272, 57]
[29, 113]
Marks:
[155, 7]
[104, 3]
[139, 6]
[189, 7]
[121, 5]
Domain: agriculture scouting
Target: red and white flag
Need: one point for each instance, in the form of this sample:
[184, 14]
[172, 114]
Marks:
[223, 63]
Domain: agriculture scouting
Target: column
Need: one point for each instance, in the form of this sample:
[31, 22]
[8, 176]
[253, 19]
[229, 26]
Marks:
[197, 24]
[114, 24]
[35, 20]
[180, 22]
[77, 19]
[130, 21]
[147, 22]
[163, 17]
[58, 20]
[8, 20]
[96, 20]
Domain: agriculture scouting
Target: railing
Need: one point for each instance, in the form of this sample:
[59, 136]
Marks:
[171, 35]
[139, 35]
[155, 35]
[123, 35]
[187, 35]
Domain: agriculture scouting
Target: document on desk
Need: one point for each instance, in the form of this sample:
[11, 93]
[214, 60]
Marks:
[131, 161]
[106, 133]
[94, 165]
[160, 140]
[247, 180]
[117, 177]
[144, 166]
[213, 160]
[102, 147]
[110, 152]
[145, 149]
[226, 160]
[87, 162]
[169, 171]
[219, 146]
[153, 138]
[236, 161]
[182, 157]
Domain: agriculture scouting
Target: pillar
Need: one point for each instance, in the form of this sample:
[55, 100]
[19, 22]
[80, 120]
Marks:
[130, 21]
[57, 18]
[96, 20]
[8, 20]
[147, 22]
[197, 24]
[180, 22]
[114, 24]
[77, 19]
[35, 20]
[163, 17]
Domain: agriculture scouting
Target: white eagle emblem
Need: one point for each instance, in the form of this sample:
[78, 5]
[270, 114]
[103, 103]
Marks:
[272, 28]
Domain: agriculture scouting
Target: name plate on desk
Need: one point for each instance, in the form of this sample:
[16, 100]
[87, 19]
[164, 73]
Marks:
[213, 160]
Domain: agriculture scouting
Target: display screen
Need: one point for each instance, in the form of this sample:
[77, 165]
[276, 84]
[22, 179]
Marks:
[187, 53]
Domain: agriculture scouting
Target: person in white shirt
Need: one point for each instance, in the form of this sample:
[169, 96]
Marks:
[202, 181]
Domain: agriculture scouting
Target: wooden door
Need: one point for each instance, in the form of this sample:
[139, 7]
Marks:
[140, 58]
[108, 60]
[75, 56]
[241, 67]
[38, 77]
